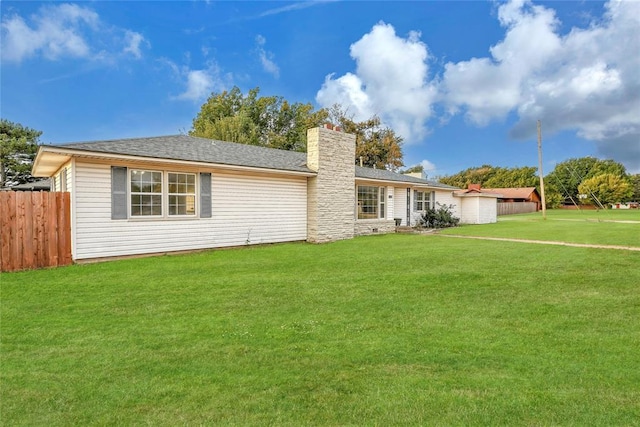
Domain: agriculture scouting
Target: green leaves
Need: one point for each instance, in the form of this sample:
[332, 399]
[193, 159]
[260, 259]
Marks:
[494, 177]
[272, 121]
[377, 145]
[565, 181]
[18, 147]
[269, 121]
[605, 189]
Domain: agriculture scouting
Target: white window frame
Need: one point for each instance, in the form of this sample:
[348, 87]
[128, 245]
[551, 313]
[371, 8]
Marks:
[424, 199]
[164, 194]
[185, 194]
[380, 203]
[132, 193]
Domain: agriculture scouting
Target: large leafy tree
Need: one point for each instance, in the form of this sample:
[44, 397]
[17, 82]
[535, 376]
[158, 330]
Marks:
[272, 121]
[18, 147]
[494, 177]
[269, 121]
[605, 189]
[377, 145]
[562, 183]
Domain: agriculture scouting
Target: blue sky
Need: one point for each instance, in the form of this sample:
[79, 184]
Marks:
[463, 82]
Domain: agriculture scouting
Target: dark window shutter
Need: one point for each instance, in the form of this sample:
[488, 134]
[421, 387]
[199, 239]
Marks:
[205, 195]
[118, 192]
[415, 200]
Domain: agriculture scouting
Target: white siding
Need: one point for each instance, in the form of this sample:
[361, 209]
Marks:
[57, 178]
[445, 197]
[488, 210]
[246, 210]
[470, 206]
[400, 204]
[389, 203]
[478, 210]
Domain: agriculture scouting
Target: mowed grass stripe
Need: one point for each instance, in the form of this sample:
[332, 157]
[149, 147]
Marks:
[587, 227]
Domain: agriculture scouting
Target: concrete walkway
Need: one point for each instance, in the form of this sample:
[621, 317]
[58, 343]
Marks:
[546, 242]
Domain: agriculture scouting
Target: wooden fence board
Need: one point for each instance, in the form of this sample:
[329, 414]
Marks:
[35, 230]
[29, 258]
[64, 230]
[510, 208]
[7, 219]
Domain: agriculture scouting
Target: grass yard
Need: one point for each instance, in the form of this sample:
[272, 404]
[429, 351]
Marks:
[381, 330]
[620, 227]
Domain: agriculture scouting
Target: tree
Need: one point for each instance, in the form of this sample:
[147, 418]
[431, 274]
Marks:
[494, 177]
[635, 185]
[568, 175]
[376, 145]
[269, 121]
[414, 169]
[272, 121]
[605, 189]
[18, 147]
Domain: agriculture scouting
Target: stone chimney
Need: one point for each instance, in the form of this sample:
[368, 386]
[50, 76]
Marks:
[331, 193]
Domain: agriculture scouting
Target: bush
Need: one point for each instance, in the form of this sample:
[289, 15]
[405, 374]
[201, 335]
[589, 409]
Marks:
[440, 217]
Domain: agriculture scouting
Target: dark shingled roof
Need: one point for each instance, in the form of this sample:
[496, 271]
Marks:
[38, 185]
[385, 175]
[190, 148]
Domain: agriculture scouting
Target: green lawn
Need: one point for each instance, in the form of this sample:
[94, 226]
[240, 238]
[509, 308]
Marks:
[590, 227]
[381, 330]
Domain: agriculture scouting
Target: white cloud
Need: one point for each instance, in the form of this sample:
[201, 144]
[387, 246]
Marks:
[133, 41]
[429, 167]
[292, 7]
[391, 81]
[198, 83]
[266, 57]
[64, 30]
[586, 80]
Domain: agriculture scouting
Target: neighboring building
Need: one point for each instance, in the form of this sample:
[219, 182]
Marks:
[173, 193]
[518, 195]
[477, 205]
[628, 205]
[38, 185]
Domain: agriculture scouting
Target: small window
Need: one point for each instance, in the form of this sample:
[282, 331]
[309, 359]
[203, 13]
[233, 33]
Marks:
[423, 200]
[146, 193]
[182, 194]
[420, 206]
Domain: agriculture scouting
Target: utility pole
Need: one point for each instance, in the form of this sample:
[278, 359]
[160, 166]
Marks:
[544, 205]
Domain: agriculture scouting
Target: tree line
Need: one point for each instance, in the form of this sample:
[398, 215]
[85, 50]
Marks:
[585, 180]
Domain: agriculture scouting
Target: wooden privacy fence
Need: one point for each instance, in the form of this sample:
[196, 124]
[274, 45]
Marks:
[35, 230]
[510, 208]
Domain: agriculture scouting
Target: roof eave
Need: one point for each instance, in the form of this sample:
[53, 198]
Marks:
[50, 158]
[405, 183]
